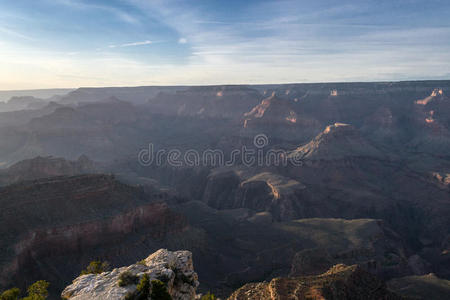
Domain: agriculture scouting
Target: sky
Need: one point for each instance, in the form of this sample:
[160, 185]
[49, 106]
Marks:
[79, 43]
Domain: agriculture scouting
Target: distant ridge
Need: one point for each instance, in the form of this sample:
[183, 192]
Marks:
[5, 95]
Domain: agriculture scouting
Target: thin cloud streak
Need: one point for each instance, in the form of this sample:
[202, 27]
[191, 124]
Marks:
[143, 43]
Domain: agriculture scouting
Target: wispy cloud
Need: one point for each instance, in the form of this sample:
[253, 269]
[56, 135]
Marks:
[134, 44]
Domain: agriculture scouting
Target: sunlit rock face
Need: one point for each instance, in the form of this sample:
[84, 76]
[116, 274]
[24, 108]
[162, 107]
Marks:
[335, 142]
[434, 93]
[339, 282]
[174, 269]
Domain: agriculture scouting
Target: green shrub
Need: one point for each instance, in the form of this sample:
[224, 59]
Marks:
[144, 284]
[142, 289]
[155, 290]
[208, 296]
[11, 294]
[126, 278]
[38, 290]
[96, 267]
[159, 291]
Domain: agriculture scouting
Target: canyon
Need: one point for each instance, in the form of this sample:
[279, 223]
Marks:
[365, 184]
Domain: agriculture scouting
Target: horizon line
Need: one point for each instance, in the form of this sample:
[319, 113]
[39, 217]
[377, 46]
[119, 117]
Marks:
[223, 84]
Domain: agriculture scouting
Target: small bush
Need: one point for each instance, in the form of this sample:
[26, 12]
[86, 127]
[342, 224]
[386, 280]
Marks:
[126, 278]
[38, 290]
[141, 262]
[159, 291]
[155, 290]
[142, 289]
[96, 267]
[208, 296]
[11, 294]
[144, 284]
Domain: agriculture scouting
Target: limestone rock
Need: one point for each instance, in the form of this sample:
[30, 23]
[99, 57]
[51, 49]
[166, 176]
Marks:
[175, 269]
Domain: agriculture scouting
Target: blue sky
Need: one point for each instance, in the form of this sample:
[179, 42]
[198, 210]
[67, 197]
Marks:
[72, 43]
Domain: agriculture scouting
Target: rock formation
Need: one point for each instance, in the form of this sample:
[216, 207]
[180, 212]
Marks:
[335, 142]
[174, 269]
[339, 282]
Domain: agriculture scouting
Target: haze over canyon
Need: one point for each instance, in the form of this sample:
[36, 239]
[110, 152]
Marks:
[370, 186]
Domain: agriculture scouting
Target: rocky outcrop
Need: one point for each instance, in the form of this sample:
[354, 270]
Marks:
[335, 142]
[174, 269]
[339, 282]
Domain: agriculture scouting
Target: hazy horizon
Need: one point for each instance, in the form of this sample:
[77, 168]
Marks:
[74, 43]
[63, 89]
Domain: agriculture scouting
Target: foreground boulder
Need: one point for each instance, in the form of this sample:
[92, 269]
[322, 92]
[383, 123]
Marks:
[339, 282]
[174, 269]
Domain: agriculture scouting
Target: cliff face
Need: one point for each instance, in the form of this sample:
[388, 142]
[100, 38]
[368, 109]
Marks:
[54, 227]
[339, 282]
[175, 269]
